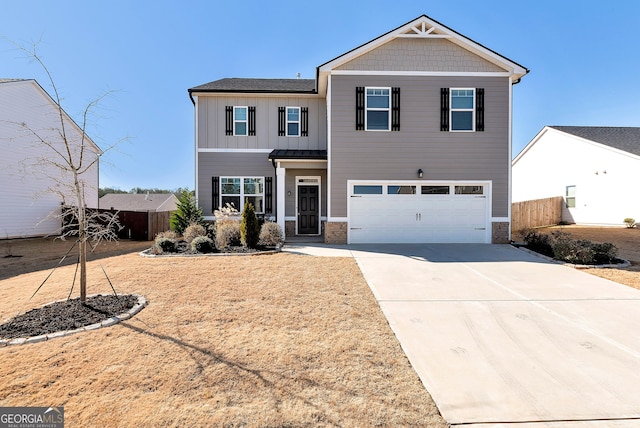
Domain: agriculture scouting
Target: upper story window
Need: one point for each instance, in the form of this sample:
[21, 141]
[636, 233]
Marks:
[570, 196]
[293, 121]
[240, 117]
[377, 109]
[462, 109]
[240, 120]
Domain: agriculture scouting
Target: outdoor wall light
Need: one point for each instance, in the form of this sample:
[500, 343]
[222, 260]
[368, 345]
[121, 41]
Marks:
[420, 173]
[289, 193]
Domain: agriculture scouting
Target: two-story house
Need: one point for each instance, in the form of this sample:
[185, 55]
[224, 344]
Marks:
[406, 138]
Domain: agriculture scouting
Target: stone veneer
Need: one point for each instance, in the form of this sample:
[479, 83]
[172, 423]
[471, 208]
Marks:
[500, 233]
[335, 233]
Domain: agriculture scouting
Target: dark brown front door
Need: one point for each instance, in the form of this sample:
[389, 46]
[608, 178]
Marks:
[308, 210]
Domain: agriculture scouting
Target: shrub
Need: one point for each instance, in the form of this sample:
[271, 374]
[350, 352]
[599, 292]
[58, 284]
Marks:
[168, 234]
[630, 222]
[537, 241]
[202, 244]
[605, 253]
[193, 231]
[187, 213]
[270, 234]
[166, 245]
[249, 228]
[227, 233]
[226, 212]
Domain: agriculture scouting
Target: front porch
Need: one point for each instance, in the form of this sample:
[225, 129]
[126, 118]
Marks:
[301, 192]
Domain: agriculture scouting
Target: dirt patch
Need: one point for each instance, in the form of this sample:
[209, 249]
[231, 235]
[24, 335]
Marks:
[66, 315]
[628, 243]
[278, 340]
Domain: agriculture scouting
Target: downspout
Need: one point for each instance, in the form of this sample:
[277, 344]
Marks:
[191, 97]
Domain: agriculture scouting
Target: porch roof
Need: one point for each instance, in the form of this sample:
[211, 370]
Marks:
[286, 154]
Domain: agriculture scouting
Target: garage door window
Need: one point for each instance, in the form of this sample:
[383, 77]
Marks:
[401, 190]
[435, 190]
[367, 190]
[469, 190]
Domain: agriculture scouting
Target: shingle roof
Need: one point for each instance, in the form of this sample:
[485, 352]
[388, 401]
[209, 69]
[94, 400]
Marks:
[298, 154]
[621, 138]
[258, 85]
[4, 80]
[139, 202]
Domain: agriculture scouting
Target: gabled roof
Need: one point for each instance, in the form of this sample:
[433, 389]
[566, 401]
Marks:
[622, 138]
[53, 102]
[428, 28]
[422, 27]
[626, 139]
[296, 86]
[139, 202]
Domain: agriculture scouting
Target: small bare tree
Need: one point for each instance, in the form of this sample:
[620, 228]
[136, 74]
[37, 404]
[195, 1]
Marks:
[65, 163]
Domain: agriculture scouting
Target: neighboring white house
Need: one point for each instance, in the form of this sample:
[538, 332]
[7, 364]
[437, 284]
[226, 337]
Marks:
[32, 188]
[154, 202]
[596, 170]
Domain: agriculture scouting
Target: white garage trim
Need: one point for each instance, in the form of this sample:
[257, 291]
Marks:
[417, 217]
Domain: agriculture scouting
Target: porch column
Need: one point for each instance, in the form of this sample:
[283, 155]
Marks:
[280, 197]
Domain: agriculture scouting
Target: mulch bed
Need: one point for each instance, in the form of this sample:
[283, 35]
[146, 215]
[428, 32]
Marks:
[66, 315]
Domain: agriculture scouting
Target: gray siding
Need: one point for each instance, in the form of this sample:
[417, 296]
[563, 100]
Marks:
[420, 55]
[368, 155]
[229, 164]
[290, 186]
[211, 122]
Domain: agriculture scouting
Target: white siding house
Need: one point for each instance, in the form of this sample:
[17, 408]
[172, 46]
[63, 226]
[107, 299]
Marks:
[32, 189]
[596, 170]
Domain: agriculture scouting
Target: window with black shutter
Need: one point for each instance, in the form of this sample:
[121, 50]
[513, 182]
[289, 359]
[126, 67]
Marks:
[395, 109]
[480, 109]
[215, 193]
[305, 121]
[444, 109]
[268, 195]
[252, 120]
[229, 120]
[282, 122]
[360, 108]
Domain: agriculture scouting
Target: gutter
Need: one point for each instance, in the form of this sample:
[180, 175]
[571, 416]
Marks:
[191, 97]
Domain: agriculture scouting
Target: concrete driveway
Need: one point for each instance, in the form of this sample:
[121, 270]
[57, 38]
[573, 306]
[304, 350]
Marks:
[500, 336]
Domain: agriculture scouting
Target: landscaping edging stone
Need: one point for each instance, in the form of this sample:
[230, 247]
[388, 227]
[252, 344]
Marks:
[140, 304]
[148, 253]
[624, 264]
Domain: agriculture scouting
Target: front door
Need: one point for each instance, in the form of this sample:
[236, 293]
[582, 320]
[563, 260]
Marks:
[308, 210]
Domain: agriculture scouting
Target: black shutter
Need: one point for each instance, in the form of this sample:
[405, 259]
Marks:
[304, 121]
[229, 120]
[480, 109]
[215, 193]
[282, 122]
[360, 108]
[395, 109]
[252, 120]
[268, 195]
[444, 109]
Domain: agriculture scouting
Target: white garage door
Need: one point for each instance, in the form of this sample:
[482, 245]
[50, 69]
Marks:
[418, 212]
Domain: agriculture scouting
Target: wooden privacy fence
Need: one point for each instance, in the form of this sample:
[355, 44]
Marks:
[138, 225]
[536, 213]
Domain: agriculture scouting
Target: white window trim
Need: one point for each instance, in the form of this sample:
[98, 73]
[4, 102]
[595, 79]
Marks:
[242, 194]
[472, 110]
[287, 121]
[367, 109]
[245, 121]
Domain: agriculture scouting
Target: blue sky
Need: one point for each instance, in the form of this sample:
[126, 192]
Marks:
[584, 59]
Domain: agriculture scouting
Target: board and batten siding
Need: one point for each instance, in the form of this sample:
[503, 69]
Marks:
[237, 164]
[397, 155]
[27, 205]
[290, 186]
[211, 122]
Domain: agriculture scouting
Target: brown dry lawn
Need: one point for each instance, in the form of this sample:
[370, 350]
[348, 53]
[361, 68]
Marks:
[281, 341]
